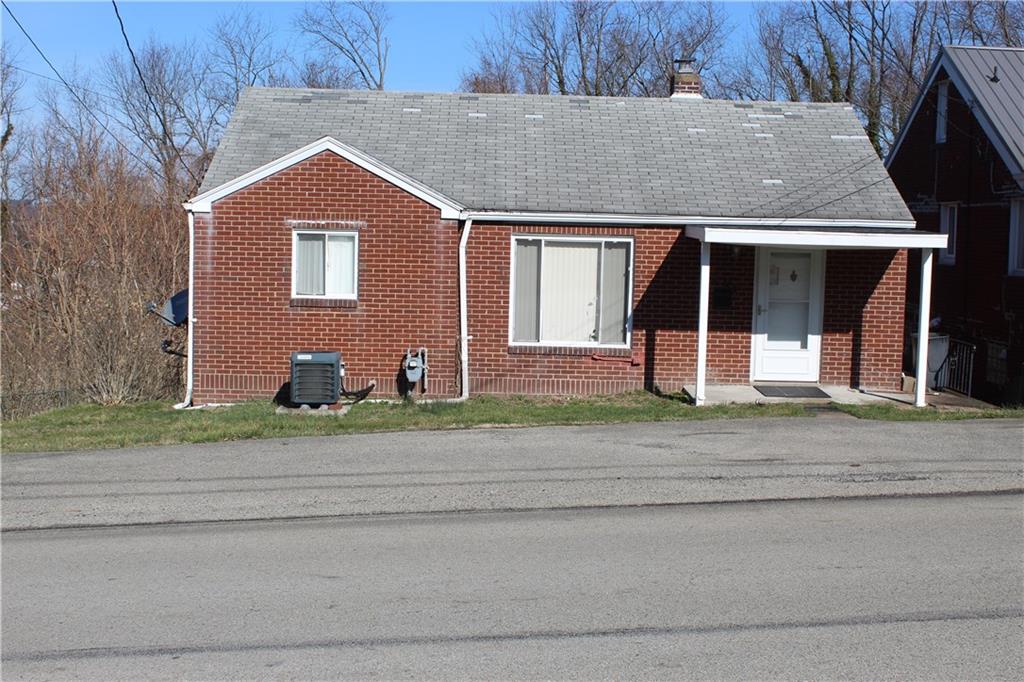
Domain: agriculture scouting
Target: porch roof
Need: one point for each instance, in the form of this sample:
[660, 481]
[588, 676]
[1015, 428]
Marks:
[829, 238]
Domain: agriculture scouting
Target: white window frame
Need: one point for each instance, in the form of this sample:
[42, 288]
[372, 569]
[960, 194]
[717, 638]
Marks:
[1015, 264]
[947, 256]
[941, 111]
[355, 257]
[543, 238]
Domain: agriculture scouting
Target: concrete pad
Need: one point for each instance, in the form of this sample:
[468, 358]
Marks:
[722, 394]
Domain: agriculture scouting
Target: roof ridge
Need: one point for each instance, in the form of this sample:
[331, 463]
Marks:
[528, 95]
[1006, 48]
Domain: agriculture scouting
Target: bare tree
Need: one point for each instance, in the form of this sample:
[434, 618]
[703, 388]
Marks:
[242, 54]
[353, 34]
[871, 53]
[497, 70]
[80, 261]
[179, 126]
[11, 83]
[594, 48]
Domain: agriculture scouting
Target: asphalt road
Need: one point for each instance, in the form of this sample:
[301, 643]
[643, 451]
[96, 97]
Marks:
[539, 468]
[925, 588]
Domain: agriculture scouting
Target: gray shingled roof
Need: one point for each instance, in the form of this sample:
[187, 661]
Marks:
[1002, 102]
[584, 154]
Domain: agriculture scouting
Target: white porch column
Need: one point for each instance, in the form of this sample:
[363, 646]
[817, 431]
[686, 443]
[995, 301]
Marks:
[924, 315]
[702, 321]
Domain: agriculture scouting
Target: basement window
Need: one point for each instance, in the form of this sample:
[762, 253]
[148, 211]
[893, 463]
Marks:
[1017, 238]
[571, 291]
[324, 264]
[947, 226]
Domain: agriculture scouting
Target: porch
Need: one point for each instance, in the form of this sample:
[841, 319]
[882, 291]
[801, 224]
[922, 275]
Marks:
[786, 328]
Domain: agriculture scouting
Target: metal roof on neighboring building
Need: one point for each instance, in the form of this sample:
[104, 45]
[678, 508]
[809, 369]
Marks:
[995, 77]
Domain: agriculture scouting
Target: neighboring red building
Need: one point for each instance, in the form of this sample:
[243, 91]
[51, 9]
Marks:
[546, 245]
[959, 164]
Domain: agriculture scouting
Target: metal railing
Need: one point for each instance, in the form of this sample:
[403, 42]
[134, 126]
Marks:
[957, 371]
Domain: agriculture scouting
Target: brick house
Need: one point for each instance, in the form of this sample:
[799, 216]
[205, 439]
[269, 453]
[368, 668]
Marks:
[959, 165]
[546, 245]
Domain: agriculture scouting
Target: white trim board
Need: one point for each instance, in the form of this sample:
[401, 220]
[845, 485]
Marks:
[832, 239]
[550, 218]
[450, 210]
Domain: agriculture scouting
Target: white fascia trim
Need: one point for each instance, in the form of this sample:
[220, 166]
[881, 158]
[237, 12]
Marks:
[675, 220]
[449, 209]
[832, 239]
[961, 85]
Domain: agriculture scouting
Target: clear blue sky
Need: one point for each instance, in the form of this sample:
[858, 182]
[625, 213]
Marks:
[430, 41]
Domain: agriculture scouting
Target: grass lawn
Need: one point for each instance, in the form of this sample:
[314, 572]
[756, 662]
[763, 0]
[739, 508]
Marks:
[92, 426]
[901, 413]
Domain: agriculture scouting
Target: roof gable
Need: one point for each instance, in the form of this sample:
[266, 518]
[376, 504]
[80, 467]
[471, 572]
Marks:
[203, 202]
[998, 106]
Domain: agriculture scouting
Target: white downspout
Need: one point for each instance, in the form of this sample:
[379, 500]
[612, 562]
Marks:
[464, 309]
[187, 402]
[923, 328]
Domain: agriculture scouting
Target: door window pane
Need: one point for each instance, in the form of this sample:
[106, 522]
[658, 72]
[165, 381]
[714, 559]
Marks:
[789, 299]
[787, 325]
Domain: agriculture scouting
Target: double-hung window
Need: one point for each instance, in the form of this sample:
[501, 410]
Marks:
[325, 264]
[947, 226]
[1017, 237]
[571, 291]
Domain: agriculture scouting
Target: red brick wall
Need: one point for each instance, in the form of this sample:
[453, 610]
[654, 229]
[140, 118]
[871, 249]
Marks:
[248, 327]
[862, 328]
[863, 318]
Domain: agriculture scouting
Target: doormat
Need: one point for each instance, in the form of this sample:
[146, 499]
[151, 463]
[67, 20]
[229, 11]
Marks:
[784, 391]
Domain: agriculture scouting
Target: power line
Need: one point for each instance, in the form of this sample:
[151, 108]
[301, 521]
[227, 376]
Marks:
[840, 198]
[861, 163]
[71, 89]
[54, 80]
[149, 96]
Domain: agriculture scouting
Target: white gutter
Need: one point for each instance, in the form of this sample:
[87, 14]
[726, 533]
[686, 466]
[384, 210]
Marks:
[464, 309]
[676, 220]
[187, 402]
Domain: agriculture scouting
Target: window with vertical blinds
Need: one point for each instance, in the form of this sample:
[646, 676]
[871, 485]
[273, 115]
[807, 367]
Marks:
[571, 291]
[324, 264]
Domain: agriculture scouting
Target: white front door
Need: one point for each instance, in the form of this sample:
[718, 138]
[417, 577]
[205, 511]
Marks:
[787, 315]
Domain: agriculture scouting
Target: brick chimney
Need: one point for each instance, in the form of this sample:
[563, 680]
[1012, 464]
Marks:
[685, 79]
